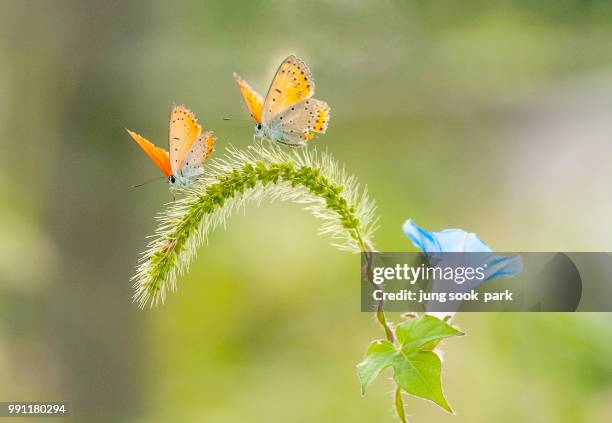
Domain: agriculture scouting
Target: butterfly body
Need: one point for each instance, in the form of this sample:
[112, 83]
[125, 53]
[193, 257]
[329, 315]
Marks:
[271, 132]
[288, 114]
[189, 148]
[186, 174]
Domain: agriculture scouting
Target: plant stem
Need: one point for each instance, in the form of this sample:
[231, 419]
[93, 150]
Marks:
[399, 405]
[380, 313]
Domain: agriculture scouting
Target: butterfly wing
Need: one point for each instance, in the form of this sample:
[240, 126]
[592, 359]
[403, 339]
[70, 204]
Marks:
[200, 150]
[159, 156]
[319, 119]
[183, 131]
[291, 84]
[302, 122]
[253, 100]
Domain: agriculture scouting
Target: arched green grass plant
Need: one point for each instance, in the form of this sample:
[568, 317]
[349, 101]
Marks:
[229, 183]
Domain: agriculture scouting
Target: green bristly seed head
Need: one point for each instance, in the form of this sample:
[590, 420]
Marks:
[301, 176]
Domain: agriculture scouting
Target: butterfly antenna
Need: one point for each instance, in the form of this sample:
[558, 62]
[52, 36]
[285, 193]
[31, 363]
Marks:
[237, 120]
[147, 182]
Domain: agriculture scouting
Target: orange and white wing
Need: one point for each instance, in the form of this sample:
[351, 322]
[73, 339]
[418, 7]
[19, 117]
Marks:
[291, 84]
[320, 116]
[302, 122]
[158, 155]
[252, 99]
[200, 150]
[183, 131]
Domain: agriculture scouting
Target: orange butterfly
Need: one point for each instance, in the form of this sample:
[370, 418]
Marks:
[289, 114]
[189, 147]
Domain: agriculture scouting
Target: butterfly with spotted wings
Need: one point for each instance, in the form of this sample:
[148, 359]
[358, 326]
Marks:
[189, 148]
[288, 114]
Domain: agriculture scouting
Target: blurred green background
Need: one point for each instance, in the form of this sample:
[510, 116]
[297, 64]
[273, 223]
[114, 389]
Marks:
[492, 116]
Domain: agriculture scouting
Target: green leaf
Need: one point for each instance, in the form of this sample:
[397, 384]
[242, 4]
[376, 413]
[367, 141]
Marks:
[418, 373]
[424, 332]
[416, 367]
[380, 354]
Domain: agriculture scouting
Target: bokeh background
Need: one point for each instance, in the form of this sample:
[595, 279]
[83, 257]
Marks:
[492, 116]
